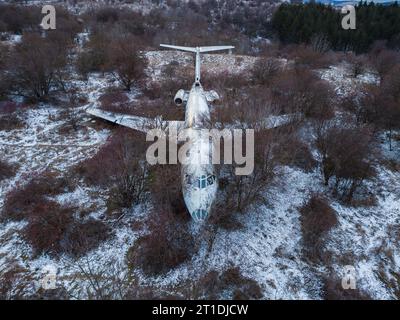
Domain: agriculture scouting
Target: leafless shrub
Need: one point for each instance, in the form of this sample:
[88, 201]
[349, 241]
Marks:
[294, 152]
[168, 199]
[11, 115]
[4, 81]
[306, 56]
[300, 90]
[239, 192]
[15, 282]
[10, 122]
[389, 100]
[167, 245]
[264, 70]
[48, 223]
[112, 98]
[6, 170]
[320, 43]
[107, 14]
[82, 237]
[94, 55]
[378, 104]
[118, 102]
[227, 84]
[229, 284]
[125, 61]
[101, 281]
[357, 65]
[348, 156]
[316, 219]
[246, 105]
[67, 27]
[124, 170]
[21, 200]
[37, 66]
[383, 59]
[16, 19]
[52, 229]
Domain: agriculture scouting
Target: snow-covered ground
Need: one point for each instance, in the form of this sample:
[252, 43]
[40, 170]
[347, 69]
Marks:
[267, 248]
[213, 63]
[344, 84]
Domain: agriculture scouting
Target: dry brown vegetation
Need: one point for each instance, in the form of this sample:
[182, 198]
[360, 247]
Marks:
[6, 170]
[166, 190]
[348, 156]
[316, 219]
[123, 168]
[229, 284]
[16, 19]
[36, 66]
[11, 115]
[21, 200]
[52, 229]
[125, 61]
[167, 245]
[301, 90]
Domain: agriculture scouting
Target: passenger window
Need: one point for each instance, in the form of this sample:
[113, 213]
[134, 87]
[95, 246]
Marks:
[202, 182]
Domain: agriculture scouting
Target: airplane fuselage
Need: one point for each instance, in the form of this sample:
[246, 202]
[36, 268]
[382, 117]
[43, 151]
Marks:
[199, 182]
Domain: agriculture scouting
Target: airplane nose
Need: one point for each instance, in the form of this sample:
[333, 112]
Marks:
[201, 214]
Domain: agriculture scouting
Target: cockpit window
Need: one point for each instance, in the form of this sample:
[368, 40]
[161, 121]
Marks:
[202, 182]
[200, 214]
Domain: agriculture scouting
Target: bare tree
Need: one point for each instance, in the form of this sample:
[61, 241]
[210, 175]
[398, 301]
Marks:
[125, 61]
[264, 70]
[348, 156]
[384, 60]
[37, 66]
[320, 43]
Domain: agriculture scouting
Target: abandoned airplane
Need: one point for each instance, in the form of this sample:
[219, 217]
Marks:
[199, 182]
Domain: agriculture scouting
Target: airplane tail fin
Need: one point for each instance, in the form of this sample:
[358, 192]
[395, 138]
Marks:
[197, 51]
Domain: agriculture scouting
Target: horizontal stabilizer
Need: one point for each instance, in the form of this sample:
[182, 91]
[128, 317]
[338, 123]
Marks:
[201, 49]
[211, 95]
[189, 49]
[197, 51]
[216, 48]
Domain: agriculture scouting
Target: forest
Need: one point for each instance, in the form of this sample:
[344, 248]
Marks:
[306, 23]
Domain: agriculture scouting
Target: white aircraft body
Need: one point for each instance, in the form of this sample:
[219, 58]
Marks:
[199, 182]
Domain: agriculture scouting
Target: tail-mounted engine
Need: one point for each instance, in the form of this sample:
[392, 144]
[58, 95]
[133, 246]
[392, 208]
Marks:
[181, 97]
[211, 96]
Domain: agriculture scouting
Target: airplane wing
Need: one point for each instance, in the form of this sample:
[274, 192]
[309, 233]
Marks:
[142, 124]
[278, 121]
[270, 122]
